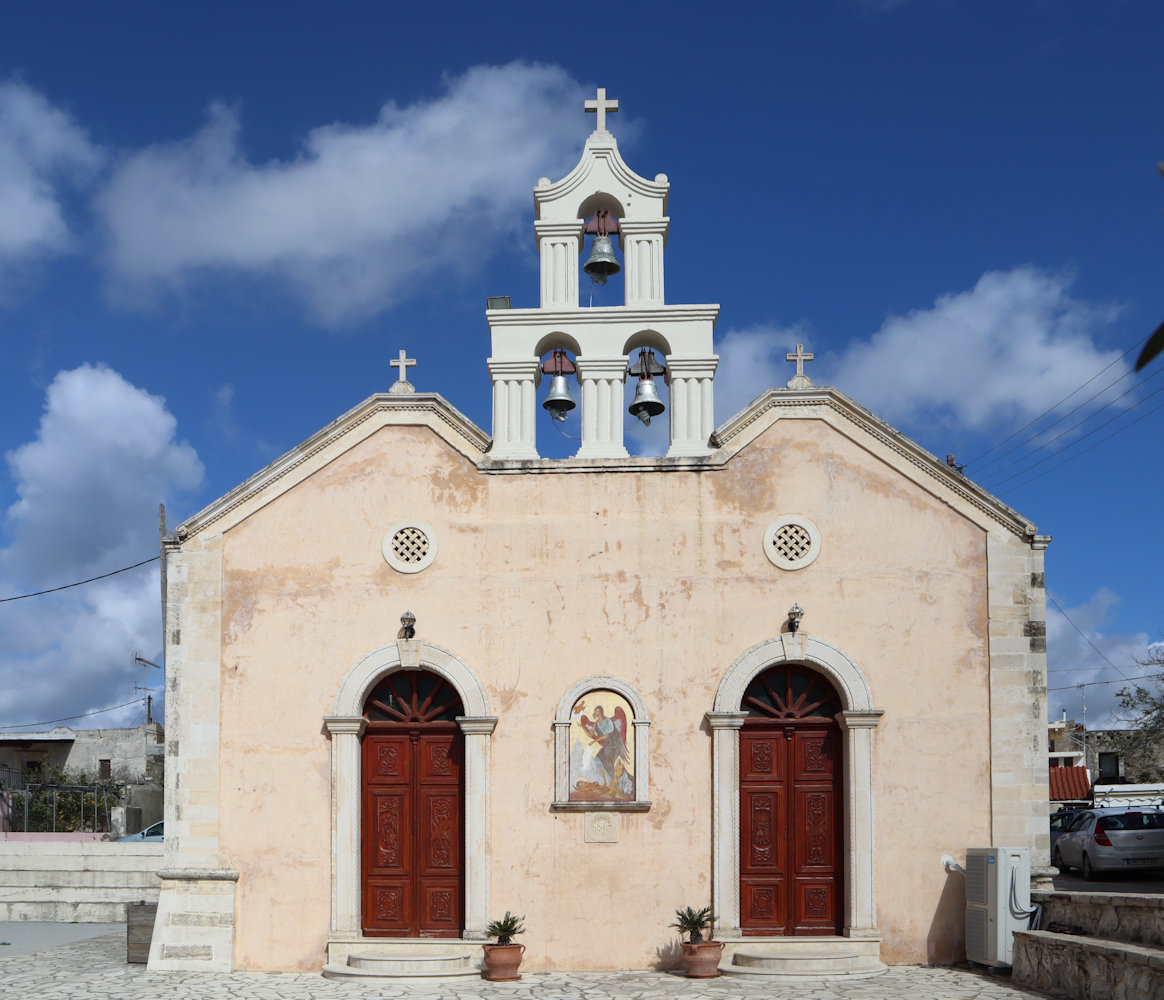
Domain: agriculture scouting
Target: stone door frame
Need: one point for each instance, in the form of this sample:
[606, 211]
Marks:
[858, 719]
[345, 728]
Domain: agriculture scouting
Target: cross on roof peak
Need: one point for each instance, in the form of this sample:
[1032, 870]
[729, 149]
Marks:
[600, 106]
[403, 363]
[799, 380]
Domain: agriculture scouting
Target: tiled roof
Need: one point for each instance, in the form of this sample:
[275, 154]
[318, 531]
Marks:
[1069, 784]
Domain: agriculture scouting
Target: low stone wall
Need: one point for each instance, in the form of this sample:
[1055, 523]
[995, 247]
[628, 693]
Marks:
[1086, 968]
[1125, 916]
[76, 882]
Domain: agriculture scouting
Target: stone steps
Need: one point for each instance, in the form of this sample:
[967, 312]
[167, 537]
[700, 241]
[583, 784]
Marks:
[796, 960]
[390, 963]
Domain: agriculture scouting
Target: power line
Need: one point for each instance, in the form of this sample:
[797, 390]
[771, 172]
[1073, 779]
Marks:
[79, 583]
[1118, 430]
[1089, 642]
[70, 718]
[1056, 406]
[1072, 687]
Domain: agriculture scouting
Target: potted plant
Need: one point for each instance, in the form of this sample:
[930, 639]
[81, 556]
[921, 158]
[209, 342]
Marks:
[700, 958]
[503, 958]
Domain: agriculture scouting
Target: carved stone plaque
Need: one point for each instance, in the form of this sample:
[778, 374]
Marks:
[601, 828]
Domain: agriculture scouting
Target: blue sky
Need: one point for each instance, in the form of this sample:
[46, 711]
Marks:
[218, 223]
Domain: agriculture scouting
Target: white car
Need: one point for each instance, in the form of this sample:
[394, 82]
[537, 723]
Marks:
[150, 833]
[1112, 839]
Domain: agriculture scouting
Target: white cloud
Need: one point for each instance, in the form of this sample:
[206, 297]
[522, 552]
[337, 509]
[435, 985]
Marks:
[1072, 659]
[365, 212]
[88, 485]
[41, 148]
[1010, 348]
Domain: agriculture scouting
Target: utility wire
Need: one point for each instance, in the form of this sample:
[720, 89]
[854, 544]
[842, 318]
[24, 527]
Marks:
[1067, 447]
[1028, 442]
[70, 718]
[1088, 684]
[79, 583]
[1118, 430]
[1053, 408]
[1089, 642]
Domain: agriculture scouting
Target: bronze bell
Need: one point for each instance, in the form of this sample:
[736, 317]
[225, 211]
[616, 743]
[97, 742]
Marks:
[602, 263]
[559, 402]
[646, 403]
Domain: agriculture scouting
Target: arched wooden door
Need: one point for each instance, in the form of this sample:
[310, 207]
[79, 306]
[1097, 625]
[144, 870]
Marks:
[413, 808]
[790, 805]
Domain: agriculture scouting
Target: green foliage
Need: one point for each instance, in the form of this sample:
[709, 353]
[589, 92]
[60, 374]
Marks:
[693, 922]
[506, 928]
[1142, 709]
[52, 807]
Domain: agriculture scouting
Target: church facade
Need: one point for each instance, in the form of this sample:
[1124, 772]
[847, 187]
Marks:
[419, 676]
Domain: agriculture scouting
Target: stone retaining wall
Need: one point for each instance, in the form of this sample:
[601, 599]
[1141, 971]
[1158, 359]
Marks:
[1086, 968]
[76, 882]
[1127, 916]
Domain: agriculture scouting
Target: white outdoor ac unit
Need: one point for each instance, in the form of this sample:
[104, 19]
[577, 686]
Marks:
[998, 902]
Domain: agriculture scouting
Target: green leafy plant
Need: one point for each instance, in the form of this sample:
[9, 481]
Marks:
[506, 928]
[693, 922]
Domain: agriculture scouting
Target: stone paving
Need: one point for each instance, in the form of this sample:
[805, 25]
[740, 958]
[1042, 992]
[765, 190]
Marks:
[96, 969]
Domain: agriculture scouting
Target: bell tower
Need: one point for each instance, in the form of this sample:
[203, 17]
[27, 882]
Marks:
[605, 192]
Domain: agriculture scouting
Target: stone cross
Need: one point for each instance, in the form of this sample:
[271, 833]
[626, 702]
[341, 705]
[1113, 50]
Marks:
[600, 106]
[403, 363]
[799, 380]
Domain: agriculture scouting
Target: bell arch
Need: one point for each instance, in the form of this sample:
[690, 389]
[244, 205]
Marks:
[345, 728]
[858, 719]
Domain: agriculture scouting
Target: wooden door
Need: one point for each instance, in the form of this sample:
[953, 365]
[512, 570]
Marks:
[790, 810]
[412, 819]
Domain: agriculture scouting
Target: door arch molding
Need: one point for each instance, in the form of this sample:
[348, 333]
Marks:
[345, 728]
[858, 719]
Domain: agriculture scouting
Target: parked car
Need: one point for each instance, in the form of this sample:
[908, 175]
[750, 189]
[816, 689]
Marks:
[1111, 839]
[150, 833]
[1059, 822]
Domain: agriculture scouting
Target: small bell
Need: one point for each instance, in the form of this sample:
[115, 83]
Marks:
[559, 402]
[646, 403]
[602, 263]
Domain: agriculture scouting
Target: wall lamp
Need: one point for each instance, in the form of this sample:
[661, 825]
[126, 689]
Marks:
[795, 613]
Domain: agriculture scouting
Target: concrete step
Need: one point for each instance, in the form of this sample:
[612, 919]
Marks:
[795, 960]
[399, 964]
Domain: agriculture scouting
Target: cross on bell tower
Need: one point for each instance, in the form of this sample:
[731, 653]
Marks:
[600, 106]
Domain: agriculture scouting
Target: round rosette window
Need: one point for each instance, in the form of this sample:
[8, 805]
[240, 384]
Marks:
[792, 542]
[410, 545]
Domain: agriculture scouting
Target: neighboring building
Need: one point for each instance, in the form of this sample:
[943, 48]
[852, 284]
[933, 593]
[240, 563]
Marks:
[609, 704]
[126, 756]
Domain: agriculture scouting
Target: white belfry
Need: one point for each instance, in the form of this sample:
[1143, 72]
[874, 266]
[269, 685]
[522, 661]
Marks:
[602, 339]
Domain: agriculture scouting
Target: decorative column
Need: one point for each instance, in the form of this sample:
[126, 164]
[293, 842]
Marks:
[642, 245]
[514, 408]
[559, 244]
[345, 732]
[860, 831]
[478, 850]
[725, 819]
[692, 404]
[602, 413]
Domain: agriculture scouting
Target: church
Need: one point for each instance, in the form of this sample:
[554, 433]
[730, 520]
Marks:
[420, 675]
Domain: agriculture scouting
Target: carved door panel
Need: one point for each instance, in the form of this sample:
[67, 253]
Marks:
[412, 832]
[789, 833]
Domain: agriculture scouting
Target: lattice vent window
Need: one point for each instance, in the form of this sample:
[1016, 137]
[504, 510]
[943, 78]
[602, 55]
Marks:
[792, 542]
[410, 546]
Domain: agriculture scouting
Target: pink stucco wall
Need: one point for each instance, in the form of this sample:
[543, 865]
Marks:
[658, 578]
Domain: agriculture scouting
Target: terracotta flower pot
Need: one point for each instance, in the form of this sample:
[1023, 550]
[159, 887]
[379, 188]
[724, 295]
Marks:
[502, 961]
[701, 959]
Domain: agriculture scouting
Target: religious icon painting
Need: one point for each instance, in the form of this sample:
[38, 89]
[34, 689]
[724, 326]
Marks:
[602, 755]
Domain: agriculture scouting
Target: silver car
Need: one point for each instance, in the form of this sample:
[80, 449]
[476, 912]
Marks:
[150, 833]
[1112, 839]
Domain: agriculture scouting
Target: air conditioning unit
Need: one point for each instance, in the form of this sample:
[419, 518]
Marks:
[998, 902]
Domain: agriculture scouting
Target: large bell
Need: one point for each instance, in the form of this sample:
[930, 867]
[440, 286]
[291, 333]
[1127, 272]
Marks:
[559, 402]
[646, 403]
[602, 263]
